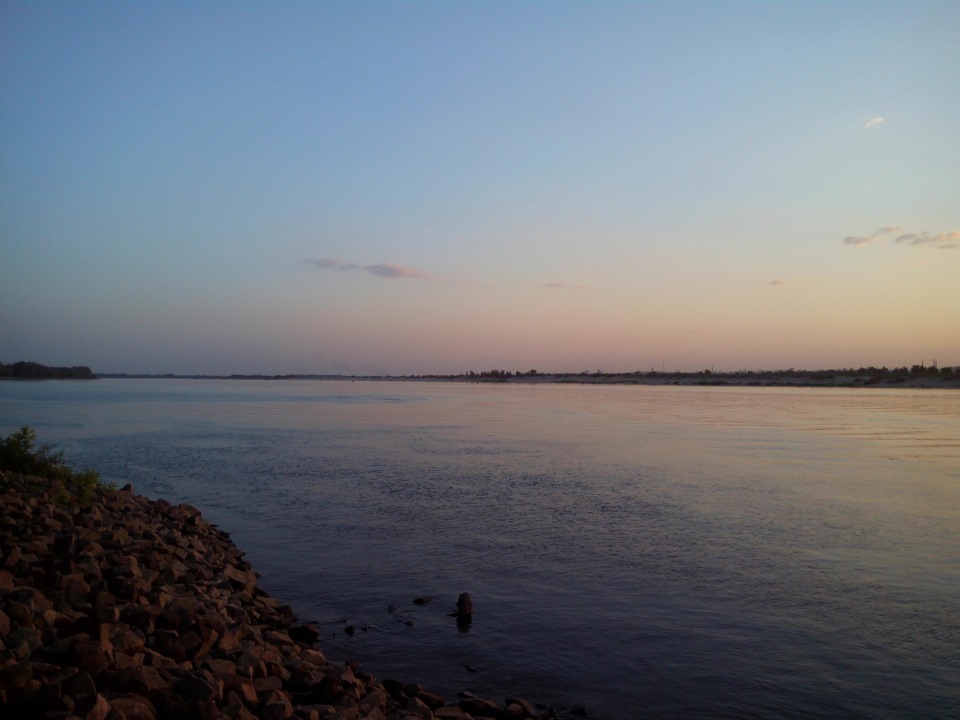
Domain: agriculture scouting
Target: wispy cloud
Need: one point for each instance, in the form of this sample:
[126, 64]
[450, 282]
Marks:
[563, 286]
[944, 241]
[383, 270]
[793, 282]
[876, 236]
[874, 121]
[949, 240]
[331, 264]
[391, 270]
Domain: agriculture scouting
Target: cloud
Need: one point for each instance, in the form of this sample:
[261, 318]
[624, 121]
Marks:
[383, 270]
[390, 270]
[873, 122]
[876, 236]
[793, 282]
[949, 240]
[331, 263]
[944, 240]
[563, 286]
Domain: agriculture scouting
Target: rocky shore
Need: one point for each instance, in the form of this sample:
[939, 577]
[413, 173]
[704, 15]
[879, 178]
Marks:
[126, 608]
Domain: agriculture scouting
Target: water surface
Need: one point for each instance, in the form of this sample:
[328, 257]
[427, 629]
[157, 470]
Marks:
[642, 551]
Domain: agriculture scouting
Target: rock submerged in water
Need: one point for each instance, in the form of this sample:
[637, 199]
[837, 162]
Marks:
[132, 608]
[464, 613]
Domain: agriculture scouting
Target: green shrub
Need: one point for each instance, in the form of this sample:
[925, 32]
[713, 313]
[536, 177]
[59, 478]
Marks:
[21, 457]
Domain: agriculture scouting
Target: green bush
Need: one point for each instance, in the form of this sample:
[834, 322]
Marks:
[22, 457]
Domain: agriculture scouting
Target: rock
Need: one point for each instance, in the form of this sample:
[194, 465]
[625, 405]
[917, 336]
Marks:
[90, 657]
[248, 692]
[20, 614]
[452, 712]
[418, 708]
[132, 707]
[13, 557]
[305, 713]
[240, 579]
[31, 637]
[431, 700]
[464, 604]
[16, 676]
[126, 639]
[305, 678]
[194, 687]
[314, 657]
[479, 707]
[221, 665]
[77, 590]
[276, 706]
[307, 634]
[122, 662]
[142, 680]
[374, 700]
[266, 684]
[6, 581]
[395, 689]
[422, 600]
[100, 710]
[82, 690]
[522, 708]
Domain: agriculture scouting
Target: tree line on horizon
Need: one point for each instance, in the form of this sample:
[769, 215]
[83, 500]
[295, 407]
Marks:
[871, 371]
[37, 371]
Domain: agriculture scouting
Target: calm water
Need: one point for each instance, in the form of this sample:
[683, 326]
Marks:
[647, 552]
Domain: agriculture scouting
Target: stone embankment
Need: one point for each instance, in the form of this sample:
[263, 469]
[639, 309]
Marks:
[134, 609]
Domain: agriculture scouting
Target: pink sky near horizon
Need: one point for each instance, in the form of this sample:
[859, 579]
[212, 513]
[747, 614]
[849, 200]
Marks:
[428, 187]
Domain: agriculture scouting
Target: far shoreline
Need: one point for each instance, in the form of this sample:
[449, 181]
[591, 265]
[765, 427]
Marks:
[792, 378]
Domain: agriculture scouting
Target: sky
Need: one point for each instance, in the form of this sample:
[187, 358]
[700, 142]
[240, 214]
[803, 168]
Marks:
[436, 187]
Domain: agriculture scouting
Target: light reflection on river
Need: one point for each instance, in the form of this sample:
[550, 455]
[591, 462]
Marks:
[642, 551]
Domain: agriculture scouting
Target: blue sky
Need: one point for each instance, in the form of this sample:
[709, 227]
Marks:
[413, 187]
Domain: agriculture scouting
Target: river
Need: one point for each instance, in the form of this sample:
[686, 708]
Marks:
[643, 552]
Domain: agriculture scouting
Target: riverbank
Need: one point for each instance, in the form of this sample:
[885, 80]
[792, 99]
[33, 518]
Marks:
[826, 379]
[127, 608]
[791, 378]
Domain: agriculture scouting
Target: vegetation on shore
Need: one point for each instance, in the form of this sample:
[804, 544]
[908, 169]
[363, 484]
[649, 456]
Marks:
[918, 375]
[36, 371]
[33, 467]
[864, 376]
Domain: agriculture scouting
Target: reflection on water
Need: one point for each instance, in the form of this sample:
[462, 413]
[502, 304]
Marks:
[722, 552]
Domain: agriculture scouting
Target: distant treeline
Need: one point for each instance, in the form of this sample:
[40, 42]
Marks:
[883, 372]
[36, 371]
